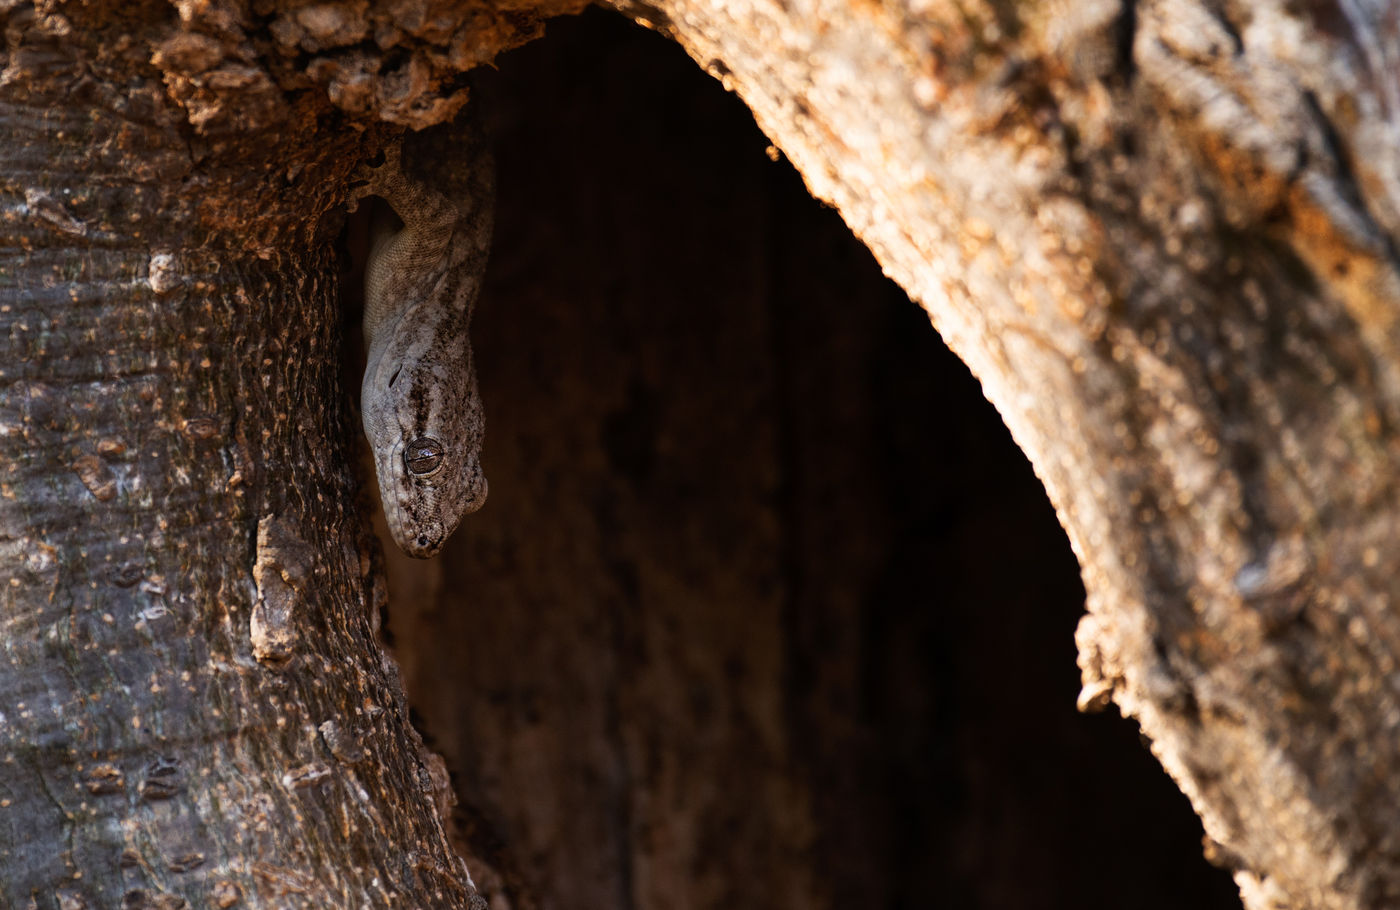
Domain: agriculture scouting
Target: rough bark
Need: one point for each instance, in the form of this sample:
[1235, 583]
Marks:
[1161, 234]
[766, 608]
[196, 711]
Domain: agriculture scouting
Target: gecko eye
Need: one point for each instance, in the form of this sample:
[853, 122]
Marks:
[423, 456]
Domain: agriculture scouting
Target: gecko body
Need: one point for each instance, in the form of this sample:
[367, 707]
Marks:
[429, 239]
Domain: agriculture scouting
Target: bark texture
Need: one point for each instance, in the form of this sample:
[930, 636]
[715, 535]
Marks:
[766, 609]
[194, 706]
[1162, 236]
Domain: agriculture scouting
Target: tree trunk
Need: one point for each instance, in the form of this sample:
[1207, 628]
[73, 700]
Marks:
[766, 609]
[1162, 235]
[196, 711]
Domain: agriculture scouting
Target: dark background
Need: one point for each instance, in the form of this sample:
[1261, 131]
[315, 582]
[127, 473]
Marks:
[766, 609]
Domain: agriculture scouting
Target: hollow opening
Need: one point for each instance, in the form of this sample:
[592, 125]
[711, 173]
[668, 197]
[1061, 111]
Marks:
[766, 609]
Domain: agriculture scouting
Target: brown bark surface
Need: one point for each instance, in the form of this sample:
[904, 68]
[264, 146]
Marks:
[1161, 234]
[766, 609]
[195, 709]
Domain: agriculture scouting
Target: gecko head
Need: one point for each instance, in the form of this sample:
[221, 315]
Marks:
[423, 419]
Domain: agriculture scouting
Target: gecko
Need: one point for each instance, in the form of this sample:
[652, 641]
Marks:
[430, 232]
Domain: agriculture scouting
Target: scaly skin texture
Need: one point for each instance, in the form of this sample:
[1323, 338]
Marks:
[422, 410]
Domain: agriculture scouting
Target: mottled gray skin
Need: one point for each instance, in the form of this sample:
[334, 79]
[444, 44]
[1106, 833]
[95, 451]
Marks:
[422, 277]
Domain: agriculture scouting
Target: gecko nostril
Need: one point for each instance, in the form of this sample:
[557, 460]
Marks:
[422, 541]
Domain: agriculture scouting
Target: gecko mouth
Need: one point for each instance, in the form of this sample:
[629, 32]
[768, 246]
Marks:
[415, 543]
